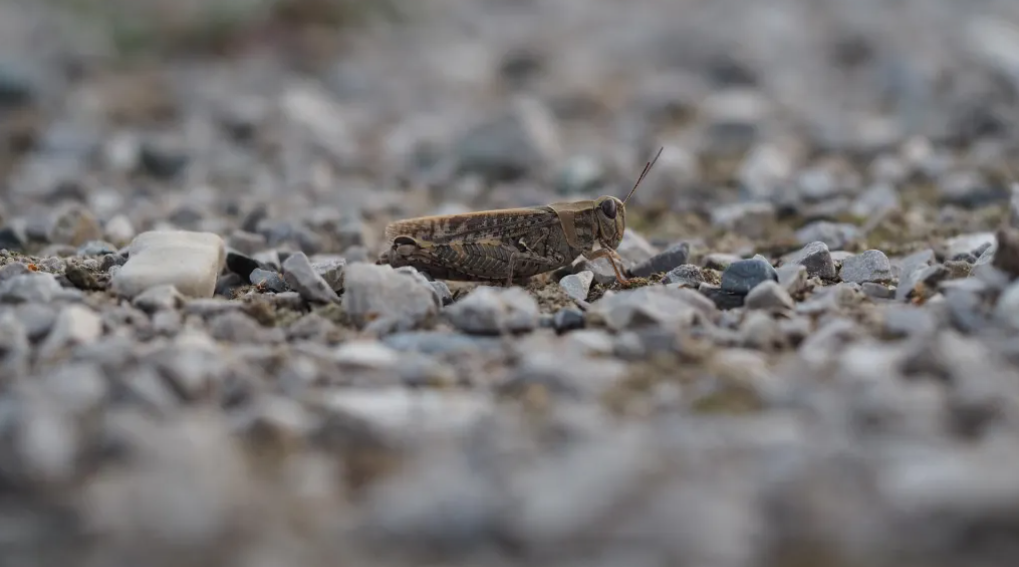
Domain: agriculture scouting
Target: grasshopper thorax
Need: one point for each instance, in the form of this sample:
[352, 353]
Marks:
[610, 220]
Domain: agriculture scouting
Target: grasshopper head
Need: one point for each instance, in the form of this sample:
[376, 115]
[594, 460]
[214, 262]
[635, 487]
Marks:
[610, 214]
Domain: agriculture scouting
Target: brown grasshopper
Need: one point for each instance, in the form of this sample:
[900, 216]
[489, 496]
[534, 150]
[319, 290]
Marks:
[502, 244]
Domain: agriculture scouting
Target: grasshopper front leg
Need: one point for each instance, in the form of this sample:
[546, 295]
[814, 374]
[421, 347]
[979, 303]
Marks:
[612, 257]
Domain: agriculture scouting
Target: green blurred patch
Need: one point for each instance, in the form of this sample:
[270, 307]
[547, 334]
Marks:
[160, 28]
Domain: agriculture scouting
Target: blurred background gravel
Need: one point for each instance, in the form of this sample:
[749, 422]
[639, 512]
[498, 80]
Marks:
[821, 370]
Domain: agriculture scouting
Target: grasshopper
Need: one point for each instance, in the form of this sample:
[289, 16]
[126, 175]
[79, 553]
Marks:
[503, 244]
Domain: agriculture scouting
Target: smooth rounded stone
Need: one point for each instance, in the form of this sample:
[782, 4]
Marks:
[566, 320]
[167, 323]
[8, 271]
[37, 318]
[34, 287]
[163, 157]
[965, 310]
[834, 235]
[761, 331]
[750, 219]
[647, 307]
[401, 411]
[77, 386]
[743, 275]
[381, 296]
[577, 285]
[766, 167]
[12, 236]
[524, 139]
[247, 243]
[907, 320]
[236, 327]
[672, 257]
[331, 271]
[46, 443]
[74, 225]
[14, 337]
[96, 248]
[877, 291]
[877, 201]
[302, 277]
[769, 295]
[158, 298]
[868, 266]
[211, 307]
[75, 325]
[366, 354]
[721, 298]
[268, 280]
[190, 261]
[816, 258]
[441, 343]
[312, 327]
[719, 261]
[488, 310]
[687, 275]
[793, 278]
[570, 374]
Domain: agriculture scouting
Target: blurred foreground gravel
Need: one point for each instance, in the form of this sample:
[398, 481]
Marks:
[817, 364]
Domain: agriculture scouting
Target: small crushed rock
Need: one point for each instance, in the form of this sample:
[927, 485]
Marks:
[811, 360]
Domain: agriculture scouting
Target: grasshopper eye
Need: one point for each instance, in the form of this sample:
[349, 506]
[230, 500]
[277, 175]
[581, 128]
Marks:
[608, 208]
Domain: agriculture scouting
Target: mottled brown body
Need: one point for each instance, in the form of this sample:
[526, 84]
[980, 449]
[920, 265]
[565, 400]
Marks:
[509, 244]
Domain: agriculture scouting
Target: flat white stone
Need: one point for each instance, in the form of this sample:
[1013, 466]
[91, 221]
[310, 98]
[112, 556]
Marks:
[190, 261]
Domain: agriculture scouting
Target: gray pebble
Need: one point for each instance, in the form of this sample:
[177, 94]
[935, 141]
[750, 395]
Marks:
[687, 274]
[816, 258]
[769, 295]
[158, 298]
[331, 272]
[743, 275]
[835, 235]
[37, 287]
[868, 266]
[440, 343]
[674, 256]
[74, 225]
[96, 248]
[12, 269]
[268, 279]
[384, 296]
[577, 285]
[487, 310]
[442, 291]
[793, 278]
[37, 319]
[877, 291]
[751, 219]
[566, 320]
[75, 325]
[648, 307]
[907, 320]
[301, 277]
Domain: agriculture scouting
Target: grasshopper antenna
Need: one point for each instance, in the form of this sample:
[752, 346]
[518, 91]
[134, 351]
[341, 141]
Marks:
[647, 168]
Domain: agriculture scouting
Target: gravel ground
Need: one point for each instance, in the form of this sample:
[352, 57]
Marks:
[816, 361]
